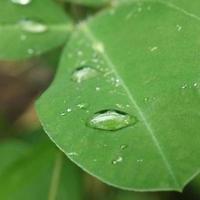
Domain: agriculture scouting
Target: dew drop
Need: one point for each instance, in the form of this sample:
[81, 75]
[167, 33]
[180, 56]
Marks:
[152, 49]
[179, 28]
[82, 105]
[63, 114]
[69, 110]
[21, 2]
[118, 160]
[72, 154]
[32, 26]
[97, 88]
[184, 86]
[83, 73]
[111, 120]
[123, 146]
[99, 47]
[195, 84]
[140, 160]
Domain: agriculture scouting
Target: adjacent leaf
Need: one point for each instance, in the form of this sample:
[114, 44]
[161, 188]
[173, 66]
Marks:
[135, 196]
[125, 103]
[28, 30]
[41, 172]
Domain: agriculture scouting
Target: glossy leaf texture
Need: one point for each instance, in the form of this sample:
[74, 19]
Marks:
[30, 29]
[125, 102]
[36, 172]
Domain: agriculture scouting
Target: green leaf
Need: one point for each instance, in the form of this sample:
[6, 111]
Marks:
[36, 172]
[133, 70]
[28, 30]
[89, 2]
[135, 196]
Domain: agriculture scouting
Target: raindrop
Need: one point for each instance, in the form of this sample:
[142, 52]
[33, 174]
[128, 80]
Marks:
[21, 2]
[118, 160]
[83, 73]
[82, 105]
[195, 84]
[179, 28]
[184, 86]
[72, 154]
[99, 47]
[146, 99]
[111, 120]
[63, 114]
[69, 110]
[119, 105]
[32, 26]
[97, 88]
[123, 146]
[152, 49]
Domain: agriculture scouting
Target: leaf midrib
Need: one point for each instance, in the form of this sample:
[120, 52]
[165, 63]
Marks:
[168, 4]
[88, 33]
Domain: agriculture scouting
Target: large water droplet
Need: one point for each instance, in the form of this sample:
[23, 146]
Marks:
[83, 73]
[21, 2]
[111, 120]
[32, 26]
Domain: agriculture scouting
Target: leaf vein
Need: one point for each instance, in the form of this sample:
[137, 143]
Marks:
[93, 39]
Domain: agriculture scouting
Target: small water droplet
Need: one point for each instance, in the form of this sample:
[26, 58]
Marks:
[63, 114]
[195, 84]
[179, 28]
[111, 120]
[118, 160]
[21, 2]
[146, 99]
[82, 105]
[69, 110]
[32, 26]
[119, 105]
[72, 154]
[152, 49]
[84, 73]
[123, 146]
[184, 86]
[99, 47]
[97, 88]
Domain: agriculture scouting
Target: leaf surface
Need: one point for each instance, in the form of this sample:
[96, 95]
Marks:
[139, 60]
[28, 30]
